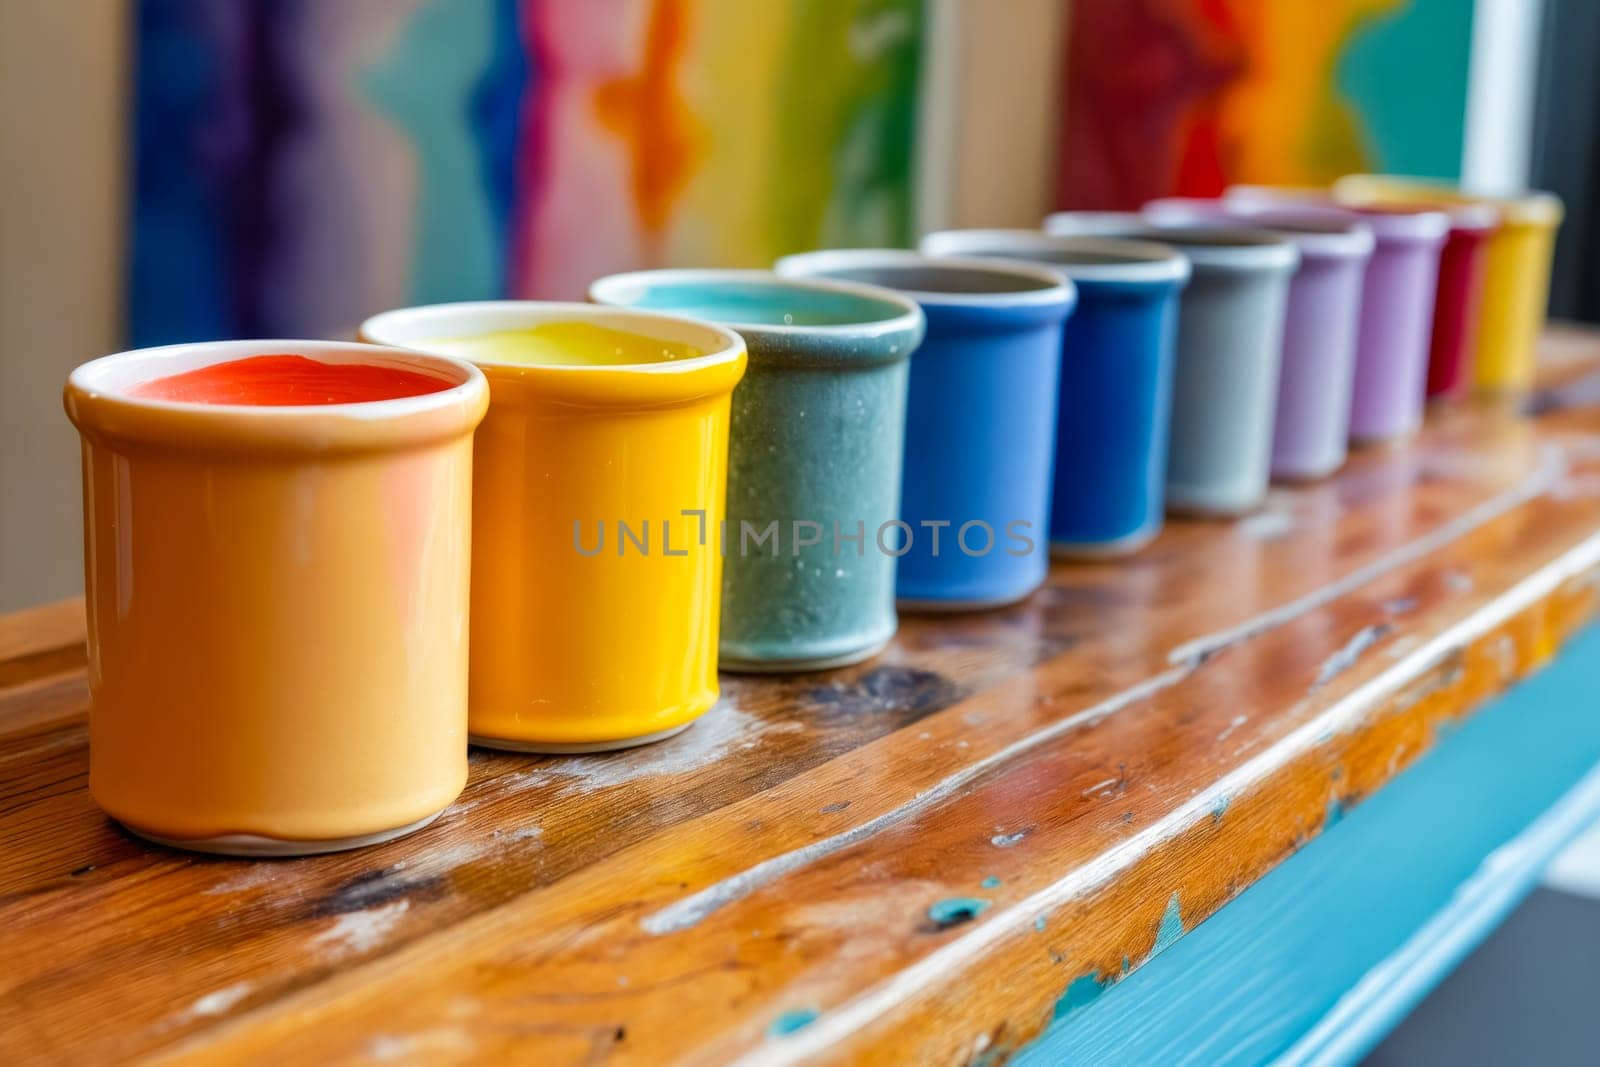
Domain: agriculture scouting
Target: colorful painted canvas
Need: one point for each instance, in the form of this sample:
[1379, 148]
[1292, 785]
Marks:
[300, 164]
[1184, 97]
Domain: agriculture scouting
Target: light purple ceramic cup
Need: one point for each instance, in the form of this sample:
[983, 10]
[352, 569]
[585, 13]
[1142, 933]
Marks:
[1391, 381]
[1321, 325]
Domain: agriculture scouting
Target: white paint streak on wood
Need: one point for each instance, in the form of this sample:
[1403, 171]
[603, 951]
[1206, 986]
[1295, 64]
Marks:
[837, 1025]
[359, 931]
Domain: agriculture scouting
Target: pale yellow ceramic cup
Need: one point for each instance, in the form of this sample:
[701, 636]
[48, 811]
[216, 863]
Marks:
[598, 497]
[1516, 277]
[277, 602]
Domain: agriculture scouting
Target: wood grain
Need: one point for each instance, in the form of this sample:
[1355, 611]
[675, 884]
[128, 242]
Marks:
[1093, 769]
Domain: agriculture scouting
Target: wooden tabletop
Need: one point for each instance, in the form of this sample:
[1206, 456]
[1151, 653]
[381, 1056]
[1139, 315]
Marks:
[920, 858]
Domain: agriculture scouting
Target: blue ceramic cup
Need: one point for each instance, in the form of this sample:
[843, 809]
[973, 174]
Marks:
[1116, 381]
[980, 421]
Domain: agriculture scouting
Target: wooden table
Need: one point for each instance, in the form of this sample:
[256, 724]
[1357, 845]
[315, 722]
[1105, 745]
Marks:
[925, 858]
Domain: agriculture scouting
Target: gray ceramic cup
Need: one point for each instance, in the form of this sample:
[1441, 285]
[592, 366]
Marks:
[814, 458]
[1230, 340]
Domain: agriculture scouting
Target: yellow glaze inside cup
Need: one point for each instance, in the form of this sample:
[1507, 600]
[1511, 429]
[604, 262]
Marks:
[563, 344]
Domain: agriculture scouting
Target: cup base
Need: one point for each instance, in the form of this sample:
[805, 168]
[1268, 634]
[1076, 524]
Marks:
[576, 748]
[1306, 476]
[1116, 548]
[922, 606]
[795, 666]
[1383, 440]
[256, 846]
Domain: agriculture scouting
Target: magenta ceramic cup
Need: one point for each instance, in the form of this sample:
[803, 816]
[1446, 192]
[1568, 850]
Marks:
[1321, 323]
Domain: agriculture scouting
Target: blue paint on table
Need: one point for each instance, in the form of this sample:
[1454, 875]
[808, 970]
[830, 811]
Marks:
[790, 1021]
[956, 910]
[1319, 959]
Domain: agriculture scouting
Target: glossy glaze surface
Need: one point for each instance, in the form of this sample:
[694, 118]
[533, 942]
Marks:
[1322, 323]
[1115, 398]
[276, 600]
[1516, 271]
[595, 597]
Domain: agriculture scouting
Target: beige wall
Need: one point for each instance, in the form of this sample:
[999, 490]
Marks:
[990, 112]
[62, 71]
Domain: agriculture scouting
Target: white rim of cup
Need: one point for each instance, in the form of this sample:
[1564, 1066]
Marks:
[1316, 230]
[611, 290]
[111, 377]
[1055, 289]
[1140, 260]
[404, 328]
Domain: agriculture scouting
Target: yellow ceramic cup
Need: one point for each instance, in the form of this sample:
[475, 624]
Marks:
[598, 498]
[1516, 279]
[277, 602]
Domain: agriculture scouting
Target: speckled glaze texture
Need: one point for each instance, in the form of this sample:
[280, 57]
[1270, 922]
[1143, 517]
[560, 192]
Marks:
[980, 422]
[817, 433]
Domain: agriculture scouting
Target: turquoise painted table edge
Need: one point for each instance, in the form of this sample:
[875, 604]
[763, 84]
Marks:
[1317, 962]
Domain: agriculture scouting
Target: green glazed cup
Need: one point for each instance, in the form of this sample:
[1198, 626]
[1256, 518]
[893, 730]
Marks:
[814, 455]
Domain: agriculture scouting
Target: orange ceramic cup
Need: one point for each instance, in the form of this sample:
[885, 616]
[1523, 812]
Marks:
[598, 497]
[277, 594]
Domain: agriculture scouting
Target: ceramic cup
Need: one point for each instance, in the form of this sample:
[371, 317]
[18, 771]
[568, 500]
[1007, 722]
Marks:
[1453, 339]
[1230, 337]
[1116, 382]
[1321, 324]
[1515, 285]
[980, 420]
[276, 566]
[814, 460]
[598, 490]
[1397, 305]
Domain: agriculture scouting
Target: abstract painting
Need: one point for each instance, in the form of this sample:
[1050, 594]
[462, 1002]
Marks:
[300, 164]
[1165, 97]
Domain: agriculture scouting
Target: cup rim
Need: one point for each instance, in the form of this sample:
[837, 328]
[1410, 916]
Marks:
[1525, 206]
[611, 291]
[1234, 246]
[103, 410]
[400, 327]
[1230, 246]
[1146, 261]
[1056, 290]
[1316, 230]
[87, 379]
[1415, 222]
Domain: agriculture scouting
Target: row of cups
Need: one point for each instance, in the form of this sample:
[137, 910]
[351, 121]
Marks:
[744, 467]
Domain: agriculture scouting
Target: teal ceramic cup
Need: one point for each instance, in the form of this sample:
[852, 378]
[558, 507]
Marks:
[814, 458]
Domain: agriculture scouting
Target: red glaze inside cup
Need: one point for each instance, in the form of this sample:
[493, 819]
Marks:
[289, 380]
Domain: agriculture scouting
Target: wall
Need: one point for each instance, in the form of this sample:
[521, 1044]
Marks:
[62, 72]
